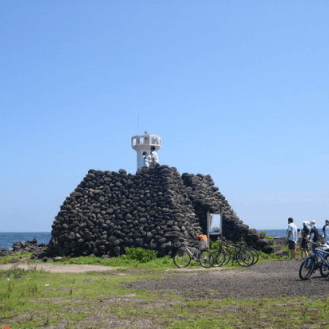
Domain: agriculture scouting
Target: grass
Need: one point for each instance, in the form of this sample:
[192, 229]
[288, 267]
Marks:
[36, 299]
[16, 257]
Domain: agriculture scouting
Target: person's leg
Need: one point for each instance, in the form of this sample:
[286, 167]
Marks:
[305, 252]
[292, 249]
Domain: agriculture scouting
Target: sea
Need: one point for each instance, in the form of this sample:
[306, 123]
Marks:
[7, 239]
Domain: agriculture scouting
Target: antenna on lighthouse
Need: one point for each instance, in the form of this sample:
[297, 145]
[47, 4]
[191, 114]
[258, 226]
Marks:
[146, 146]
[138, 124]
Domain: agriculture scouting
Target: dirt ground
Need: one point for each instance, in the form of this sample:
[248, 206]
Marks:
[59, 268]
[266, 280]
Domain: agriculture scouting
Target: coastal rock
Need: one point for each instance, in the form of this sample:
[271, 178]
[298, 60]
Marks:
[38, 249]
[281, 253]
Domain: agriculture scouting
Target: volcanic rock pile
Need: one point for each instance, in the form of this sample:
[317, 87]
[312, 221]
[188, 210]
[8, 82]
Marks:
[153, 209]
[37, 249]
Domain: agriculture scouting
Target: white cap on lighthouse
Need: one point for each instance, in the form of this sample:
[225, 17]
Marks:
[145, 146]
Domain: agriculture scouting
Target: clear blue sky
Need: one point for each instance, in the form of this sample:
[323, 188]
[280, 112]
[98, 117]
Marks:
[236, 89]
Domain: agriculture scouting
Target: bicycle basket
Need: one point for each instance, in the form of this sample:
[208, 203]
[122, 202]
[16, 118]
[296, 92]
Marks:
[203, 244]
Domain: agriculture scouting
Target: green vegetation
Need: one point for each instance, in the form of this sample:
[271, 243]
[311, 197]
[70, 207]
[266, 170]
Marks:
[36, 299]
[269, 237]
[122, 261]
[15, 257]
[266, 236]
[263, 257]
[140, 254]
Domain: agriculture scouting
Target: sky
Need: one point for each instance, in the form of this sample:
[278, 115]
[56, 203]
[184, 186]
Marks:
[236, 89]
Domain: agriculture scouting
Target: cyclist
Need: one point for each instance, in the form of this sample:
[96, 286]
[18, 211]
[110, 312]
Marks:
[325, 230]
[303, 244]
[292, 237]
[314, 233]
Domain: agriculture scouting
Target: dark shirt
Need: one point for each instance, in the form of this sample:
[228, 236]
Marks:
[305, 232]
[315, 233]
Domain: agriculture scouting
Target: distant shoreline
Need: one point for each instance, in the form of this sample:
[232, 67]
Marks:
[258, 230]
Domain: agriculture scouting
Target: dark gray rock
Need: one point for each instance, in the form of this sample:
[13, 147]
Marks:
[109, 211]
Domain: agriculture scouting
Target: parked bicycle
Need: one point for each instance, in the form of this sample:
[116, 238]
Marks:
[318, 259]
[235, 252]
[184, 256]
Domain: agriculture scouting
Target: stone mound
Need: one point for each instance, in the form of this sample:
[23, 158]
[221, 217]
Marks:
[153, 209]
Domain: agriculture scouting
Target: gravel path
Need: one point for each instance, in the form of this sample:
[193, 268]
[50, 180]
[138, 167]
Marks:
[60, 268]
[267, 280]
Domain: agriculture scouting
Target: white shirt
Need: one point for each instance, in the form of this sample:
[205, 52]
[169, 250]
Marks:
[326, 234]
[154, 156]
[293, 229]
[145, 161]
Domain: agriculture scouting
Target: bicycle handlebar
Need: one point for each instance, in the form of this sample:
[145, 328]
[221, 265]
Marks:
[316, 243]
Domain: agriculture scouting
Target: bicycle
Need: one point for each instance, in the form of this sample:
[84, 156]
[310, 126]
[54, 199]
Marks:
[222, 255]
[233, 252]
[184, 256]
[254, 252]
[317, 260]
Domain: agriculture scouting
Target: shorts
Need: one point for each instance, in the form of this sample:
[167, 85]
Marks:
[291, 245]
[304, 244]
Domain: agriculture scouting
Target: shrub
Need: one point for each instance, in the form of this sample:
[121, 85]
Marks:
[64, 259]
[214, 245]
[269, 237]
[140, 254]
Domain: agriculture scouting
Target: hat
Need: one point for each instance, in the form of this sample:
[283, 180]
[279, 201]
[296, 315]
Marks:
[305, 222]
[312, 222]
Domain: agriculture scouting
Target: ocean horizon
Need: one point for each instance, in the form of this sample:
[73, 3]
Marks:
[7, 239]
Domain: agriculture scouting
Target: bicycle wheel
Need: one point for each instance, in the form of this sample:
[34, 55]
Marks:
[255, 253]
[206, 258]
[244, 258]
[182, 259]
[306, 268]
[228, 256]
[219, 258]
[324, 269]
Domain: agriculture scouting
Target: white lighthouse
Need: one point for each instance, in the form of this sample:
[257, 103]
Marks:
[146, 146]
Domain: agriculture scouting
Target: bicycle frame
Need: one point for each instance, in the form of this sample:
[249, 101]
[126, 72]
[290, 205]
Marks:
[319, 253]
[191, 252]
[316, 260]
[204, 257]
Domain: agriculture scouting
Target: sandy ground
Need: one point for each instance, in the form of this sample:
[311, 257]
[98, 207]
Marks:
[74, 268]
[59, 268]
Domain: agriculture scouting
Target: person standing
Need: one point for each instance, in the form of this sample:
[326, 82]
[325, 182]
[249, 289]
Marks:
[314, 232]
[303, 244]
[292, 237]
[154, 157]
[325, 230]
[146, 160]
